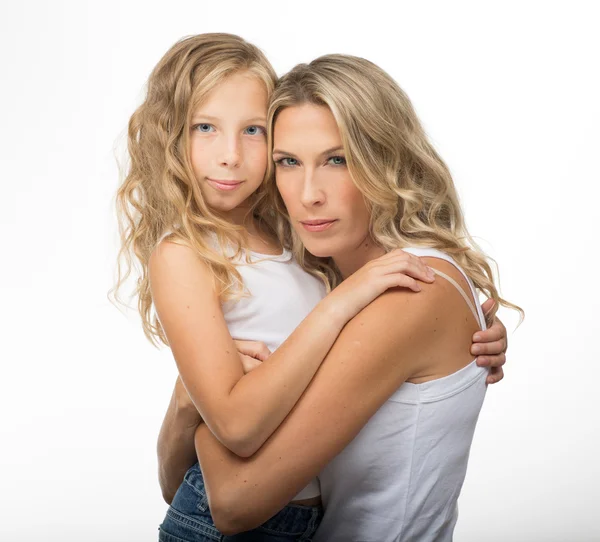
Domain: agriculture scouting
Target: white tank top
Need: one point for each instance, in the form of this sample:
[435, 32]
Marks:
[400, 478]
[282, 294]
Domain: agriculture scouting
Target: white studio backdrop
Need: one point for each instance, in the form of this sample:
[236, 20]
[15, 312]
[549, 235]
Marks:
[509, 95]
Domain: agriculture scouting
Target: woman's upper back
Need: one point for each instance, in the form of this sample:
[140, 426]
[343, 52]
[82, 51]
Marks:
[400, 478]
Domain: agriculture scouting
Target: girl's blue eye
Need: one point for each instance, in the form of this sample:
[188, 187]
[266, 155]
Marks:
[287, 162]
[205, 128]
[254, 130]
[337, 161]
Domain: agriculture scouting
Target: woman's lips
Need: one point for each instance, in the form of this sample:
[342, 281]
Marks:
[317, 225]
[224, 185]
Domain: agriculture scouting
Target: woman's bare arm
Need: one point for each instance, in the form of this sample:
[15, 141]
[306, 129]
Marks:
[175, 448]
[388, 342]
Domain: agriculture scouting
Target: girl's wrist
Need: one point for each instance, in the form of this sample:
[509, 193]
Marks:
[333, 311]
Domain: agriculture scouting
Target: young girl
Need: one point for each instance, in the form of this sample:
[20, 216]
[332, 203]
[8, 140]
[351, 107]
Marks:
[212, 268]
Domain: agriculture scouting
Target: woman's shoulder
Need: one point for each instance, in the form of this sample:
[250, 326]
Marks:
[409, 315]
[430, 252]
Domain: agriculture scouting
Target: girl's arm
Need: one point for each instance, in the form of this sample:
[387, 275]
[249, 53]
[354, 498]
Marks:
[389, 341]
[175, 447]
[243, 411]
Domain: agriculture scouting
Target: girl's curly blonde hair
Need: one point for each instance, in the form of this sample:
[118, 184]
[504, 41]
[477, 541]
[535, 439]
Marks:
[160, 195]
[406, 185]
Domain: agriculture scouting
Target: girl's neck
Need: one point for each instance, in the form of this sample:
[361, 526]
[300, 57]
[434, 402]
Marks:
[257, 240]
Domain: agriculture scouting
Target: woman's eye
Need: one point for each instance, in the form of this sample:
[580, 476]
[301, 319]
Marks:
[254, 130]
[287, 162]
[205, 128]
[337, 161]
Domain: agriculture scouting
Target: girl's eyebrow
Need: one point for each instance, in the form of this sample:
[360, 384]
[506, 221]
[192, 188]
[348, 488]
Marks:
[328, 151]
[202, 116]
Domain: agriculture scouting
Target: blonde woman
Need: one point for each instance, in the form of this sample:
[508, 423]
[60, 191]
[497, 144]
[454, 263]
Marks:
[387, 421]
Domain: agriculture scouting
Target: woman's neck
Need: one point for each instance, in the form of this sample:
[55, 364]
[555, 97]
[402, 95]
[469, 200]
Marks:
[352, 260]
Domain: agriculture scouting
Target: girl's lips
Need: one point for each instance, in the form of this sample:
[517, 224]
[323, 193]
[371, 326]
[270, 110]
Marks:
[317, 226]
[224, 185]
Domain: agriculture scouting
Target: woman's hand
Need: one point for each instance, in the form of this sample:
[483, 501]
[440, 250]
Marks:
[252, 353]
[394, 269]
[185, 410]
[175, 447]
[490, 346]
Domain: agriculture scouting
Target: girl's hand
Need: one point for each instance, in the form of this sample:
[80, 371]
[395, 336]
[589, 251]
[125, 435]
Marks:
[252, 353]
[394, 269]
[490, 346]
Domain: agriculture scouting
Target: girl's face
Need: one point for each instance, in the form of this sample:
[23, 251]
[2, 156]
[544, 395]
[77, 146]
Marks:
[228, 142]
[326, 209]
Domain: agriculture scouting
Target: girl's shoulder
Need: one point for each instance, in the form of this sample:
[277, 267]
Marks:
[173, 259]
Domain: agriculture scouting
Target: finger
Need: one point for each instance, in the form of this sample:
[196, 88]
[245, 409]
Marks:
[488, 306]
[492, 361]
[411, 268]
[495, 376]
[400, 280]
[256, 349]
[399, 255]
[262, 352]
[494, 333]
[249, 363]
[420, 264]
[489, 349]
[244, 347]
[247, 347]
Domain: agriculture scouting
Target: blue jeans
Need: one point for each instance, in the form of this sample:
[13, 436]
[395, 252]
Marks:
[188, 519]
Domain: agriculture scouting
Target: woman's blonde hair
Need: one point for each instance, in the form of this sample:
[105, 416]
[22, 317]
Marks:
[160, 194]
[406, 185]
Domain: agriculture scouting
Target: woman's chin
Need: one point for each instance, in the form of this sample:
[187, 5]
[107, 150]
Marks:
[320, 250]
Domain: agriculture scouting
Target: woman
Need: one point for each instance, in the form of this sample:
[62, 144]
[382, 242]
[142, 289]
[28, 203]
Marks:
[394, 192]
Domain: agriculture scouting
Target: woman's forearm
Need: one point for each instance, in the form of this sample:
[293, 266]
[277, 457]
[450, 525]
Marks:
[175, 447]
[238, 500]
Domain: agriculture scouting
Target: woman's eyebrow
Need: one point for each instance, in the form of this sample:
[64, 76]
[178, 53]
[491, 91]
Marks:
[333, 149]
[328, 151]
[280, 151]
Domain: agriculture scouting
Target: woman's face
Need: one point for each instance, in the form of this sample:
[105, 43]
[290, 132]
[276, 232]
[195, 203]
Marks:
[228, 142]
[326, 209]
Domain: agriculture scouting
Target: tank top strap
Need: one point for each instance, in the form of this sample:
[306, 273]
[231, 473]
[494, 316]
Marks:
[435, 253]
[460, 291]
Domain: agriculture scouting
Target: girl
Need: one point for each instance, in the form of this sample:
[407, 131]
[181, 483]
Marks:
[194, 215]
[401, 395]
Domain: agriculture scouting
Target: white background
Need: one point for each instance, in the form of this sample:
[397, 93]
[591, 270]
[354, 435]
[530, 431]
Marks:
[509, 93]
